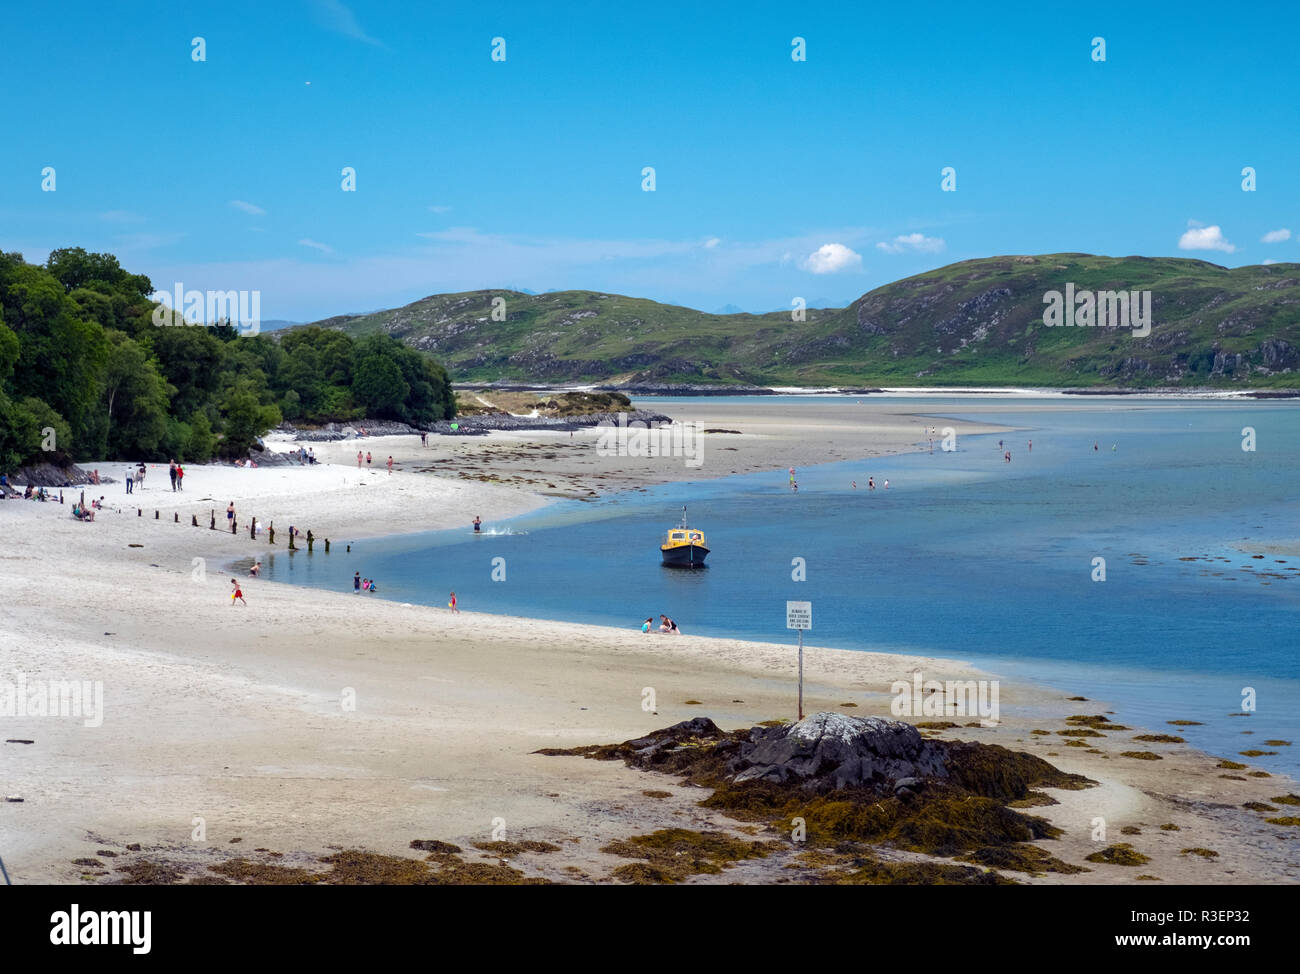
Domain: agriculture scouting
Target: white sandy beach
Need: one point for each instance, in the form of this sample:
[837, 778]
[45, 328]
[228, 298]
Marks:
[242, 717]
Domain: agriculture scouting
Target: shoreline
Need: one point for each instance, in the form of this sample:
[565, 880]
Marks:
[235, 715]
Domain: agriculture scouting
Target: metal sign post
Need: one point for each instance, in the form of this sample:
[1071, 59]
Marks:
[798, 615]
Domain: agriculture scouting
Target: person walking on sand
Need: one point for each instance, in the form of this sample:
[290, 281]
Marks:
[180, 477]
[358, 459]
[236, 594]
[367, 458]
[171, 473]
[452, 604]
[230, 514]
[390, 465]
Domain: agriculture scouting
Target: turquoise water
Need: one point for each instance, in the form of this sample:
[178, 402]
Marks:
[963, 556]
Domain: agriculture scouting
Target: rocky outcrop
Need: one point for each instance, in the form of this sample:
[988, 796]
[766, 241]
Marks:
[56, 475]
[827, 751]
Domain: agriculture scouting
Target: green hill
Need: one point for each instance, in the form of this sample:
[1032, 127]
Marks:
[977, 322]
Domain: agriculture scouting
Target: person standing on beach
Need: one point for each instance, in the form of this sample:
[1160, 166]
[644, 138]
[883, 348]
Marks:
[180, 477]
[390, 465]
[452, 604]
[367, 458]
[358, 459]
[129, 480]
[236, 594]
[230, 514]
[171, 473]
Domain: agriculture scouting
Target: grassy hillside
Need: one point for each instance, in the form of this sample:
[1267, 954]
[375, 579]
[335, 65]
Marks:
[974, 322]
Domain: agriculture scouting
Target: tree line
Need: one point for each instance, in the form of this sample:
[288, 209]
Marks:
[85, 373]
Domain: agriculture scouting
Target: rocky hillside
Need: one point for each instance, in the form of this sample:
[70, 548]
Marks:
[977, 322]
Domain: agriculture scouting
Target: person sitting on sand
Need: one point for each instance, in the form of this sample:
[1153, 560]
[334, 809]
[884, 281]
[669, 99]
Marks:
[664, 624]
[645, 626]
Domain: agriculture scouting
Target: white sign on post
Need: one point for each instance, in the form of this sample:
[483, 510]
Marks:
[798, 615]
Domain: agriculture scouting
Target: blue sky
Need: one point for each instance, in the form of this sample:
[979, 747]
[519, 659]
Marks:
[774, 178]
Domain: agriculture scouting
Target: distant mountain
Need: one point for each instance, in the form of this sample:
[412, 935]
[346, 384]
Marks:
[977, 322]
[730, 309]
[275, 324]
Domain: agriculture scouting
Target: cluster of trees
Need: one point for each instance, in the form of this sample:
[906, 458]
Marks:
[85, 373]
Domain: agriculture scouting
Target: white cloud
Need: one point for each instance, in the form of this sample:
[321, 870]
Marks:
[248, 208]
[437, 208]
[914, 242]
[712, 242]
[323, 248]
[831, 258]
[1276, 236]
[1269, 260]
[333, 15]
[1205, 238]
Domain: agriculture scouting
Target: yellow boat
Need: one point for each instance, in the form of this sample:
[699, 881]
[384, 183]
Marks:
[684, 546]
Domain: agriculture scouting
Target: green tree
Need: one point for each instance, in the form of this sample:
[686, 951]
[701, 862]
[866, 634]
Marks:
[19, 435]
[189, 357]
[378, 385]
[202, 444]
[135, 400]
[244, 420]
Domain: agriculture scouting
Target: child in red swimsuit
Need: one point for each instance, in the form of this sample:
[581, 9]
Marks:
[236, 594]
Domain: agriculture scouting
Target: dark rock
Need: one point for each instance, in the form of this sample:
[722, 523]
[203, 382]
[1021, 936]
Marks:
[829, 750]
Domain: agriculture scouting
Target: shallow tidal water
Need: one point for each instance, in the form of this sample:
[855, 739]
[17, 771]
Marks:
[963, 556]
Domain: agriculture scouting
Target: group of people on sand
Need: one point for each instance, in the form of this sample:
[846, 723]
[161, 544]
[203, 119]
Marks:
[369, 459]
[666, 625]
